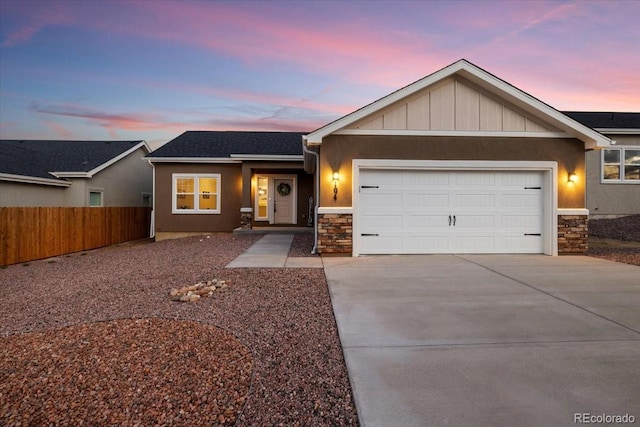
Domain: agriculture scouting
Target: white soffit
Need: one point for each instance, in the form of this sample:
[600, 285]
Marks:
[485, 80]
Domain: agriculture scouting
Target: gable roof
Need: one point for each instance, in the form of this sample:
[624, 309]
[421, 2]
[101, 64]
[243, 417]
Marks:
[194, 146]
[607, 121]
[50, 161]
[482, 79]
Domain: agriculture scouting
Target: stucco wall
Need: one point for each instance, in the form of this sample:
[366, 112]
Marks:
[123, 182]
[611, 199]
[230, 199]
[337, 151]
[31, 195]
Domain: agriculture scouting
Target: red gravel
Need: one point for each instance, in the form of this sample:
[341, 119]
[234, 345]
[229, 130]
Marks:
[625, 228]
[621, 233]
[277, 326]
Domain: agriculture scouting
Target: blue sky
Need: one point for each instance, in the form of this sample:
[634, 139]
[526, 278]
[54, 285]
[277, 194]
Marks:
[152, 69]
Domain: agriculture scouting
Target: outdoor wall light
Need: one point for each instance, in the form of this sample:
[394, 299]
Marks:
[336, 178]
[573, 178]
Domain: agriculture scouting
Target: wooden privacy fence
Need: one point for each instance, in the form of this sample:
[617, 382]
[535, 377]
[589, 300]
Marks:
[34, 233]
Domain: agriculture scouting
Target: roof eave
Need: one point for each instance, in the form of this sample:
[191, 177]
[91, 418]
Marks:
[34, 180]
[192, 160]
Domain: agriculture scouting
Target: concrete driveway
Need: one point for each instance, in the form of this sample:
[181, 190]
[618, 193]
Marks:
[488, 340]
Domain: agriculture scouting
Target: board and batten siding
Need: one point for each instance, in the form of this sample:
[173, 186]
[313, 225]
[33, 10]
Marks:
[452, 105]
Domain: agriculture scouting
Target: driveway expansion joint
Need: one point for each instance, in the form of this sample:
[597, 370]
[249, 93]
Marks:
[506, 276]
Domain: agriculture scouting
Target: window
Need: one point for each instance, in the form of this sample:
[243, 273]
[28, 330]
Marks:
[196, 193]
[262, 199]
[621, 165]
[95, 198]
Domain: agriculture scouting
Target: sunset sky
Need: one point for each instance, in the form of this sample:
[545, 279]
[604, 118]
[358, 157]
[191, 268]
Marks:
[153, 69]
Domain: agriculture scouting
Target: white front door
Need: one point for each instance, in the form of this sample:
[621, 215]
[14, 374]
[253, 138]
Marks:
[448, 211]
[284, 201]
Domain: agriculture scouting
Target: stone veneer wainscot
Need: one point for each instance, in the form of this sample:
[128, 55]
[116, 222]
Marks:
[335, 233]
[573, 234]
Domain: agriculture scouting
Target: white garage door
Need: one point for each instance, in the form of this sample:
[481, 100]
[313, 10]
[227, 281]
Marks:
[418, 211]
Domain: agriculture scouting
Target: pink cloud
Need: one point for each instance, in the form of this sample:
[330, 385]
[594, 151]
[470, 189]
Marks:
[109, 121]
[35, 17]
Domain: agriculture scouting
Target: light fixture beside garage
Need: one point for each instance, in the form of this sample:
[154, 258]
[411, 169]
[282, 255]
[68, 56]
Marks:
[336, 178]
[573, 178]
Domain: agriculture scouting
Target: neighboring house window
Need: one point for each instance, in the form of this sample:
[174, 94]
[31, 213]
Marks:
[95, 198]
[196, 193]
[621, 165]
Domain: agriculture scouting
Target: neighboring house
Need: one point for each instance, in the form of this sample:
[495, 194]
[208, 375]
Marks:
[613, 174]
[457, 162]
[208, 181]
[74, 173]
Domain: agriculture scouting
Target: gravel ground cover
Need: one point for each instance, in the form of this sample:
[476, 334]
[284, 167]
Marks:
[302, 245]
[616, 239]
[95, 339]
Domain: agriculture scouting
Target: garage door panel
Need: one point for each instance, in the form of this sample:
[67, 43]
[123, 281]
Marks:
[376, 222]
[381, 199]
[522, 200]
[475, 222]
[520, 244]
[408, 211]
[426, 244]
[524, 222]
[421, 222]
[429, 201]
[479, 200]
[474, 179]
[520, 179]
[474, 244]
[431, 179]
[382, 244]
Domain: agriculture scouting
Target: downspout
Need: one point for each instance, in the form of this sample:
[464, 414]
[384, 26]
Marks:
[152, 225]
[316, 172]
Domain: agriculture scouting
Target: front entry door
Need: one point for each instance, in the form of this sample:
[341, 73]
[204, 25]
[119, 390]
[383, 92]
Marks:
[283, 207]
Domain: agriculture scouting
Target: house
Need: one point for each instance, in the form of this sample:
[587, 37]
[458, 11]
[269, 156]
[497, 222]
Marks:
[74, 173]
[457, 162]
[209, 181]
[613, 174]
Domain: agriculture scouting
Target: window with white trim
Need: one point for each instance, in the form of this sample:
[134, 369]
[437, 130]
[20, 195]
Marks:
[196, 193]
[95, 198]
[621, 165]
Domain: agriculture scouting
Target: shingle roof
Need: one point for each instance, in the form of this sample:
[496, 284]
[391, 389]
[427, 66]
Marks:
[222, 144]
[606, 120]
[37, 158]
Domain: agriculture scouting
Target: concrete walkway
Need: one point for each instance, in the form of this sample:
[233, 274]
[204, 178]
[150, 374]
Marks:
[488, 340]
[271, 251]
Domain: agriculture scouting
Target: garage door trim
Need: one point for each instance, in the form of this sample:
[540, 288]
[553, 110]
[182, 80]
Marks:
[550, 188]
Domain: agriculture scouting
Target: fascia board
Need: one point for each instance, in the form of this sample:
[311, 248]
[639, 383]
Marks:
[192, 160]
[34, 180]
[275, 157]
[117, 158]
[460, 133]
[621, 131]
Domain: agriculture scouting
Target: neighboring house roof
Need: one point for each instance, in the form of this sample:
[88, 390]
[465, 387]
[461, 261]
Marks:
[194, 146]
[607, 121]
[483, 79]
[51, 161]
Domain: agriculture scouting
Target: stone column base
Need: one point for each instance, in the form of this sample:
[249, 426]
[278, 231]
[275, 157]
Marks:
[335, 233]
[573, 234]
[246, 218]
